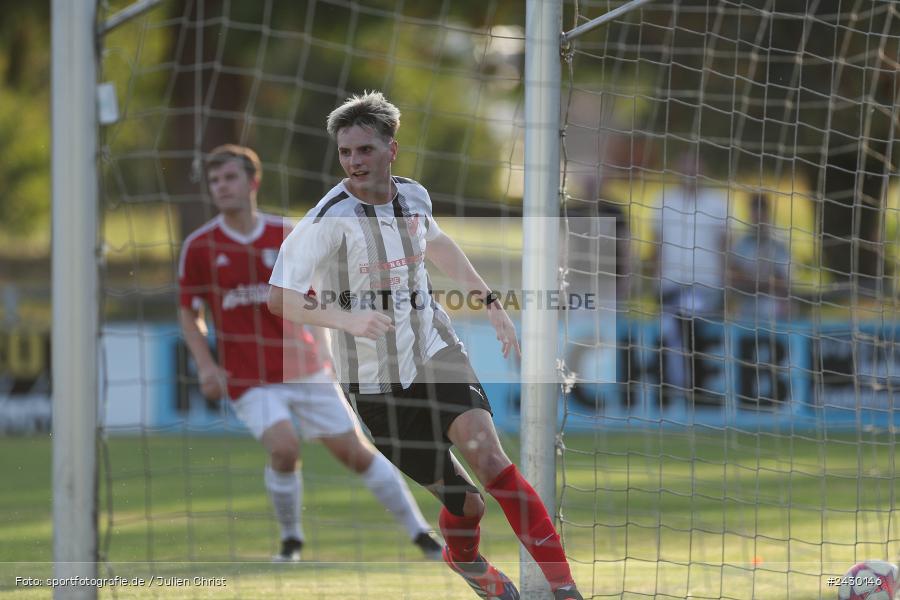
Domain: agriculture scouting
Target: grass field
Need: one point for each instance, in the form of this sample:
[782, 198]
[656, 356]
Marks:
[676, 514]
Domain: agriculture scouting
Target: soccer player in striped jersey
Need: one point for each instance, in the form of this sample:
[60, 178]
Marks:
[272, 370]
[362, 249]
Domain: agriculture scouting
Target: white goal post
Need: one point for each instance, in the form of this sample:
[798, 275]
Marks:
[75, 307]
[540, 260]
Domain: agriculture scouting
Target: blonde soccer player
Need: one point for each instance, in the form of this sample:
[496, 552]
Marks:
[367, 242]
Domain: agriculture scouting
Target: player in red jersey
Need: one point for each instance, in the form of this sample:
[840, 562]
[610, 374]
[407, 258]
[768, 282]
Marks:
[269, 368]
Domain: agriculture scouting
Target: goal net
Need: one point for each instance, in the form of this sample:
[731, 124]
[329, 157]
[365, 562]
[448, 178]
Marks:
[743, 446]
[182, 485]
[725, 432]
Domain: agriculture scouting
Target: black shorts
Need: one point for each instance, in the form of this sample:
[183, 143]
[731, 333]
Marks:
[410, 426]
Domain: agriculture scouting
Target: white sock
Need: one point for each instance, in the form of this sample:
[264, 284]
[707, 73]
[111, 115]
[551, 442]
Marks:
[286, 493]
[388, 485]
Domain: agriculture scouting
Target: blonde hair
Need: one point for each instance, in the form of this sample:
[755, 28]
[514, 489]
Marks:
[371, 110]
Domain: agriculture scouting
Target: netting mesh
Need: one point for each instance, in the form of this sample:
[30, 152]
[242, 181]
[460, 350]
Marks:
[182, 481]
[731, 436]
[745, 152]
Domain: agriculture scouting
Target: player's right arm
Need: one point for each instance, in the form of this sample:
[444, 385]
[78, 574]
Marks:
[212, 377]
[313, 242]
[193, 280]
[307, 310]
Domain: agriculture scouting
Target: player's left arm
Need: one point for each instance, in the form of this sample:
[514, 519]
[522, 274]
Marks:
[447, 256]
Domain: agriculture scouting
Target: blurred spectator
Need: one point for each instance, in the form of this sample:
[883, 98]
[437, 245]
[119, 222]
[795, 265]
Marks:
[758, 277]
[691, 232]
[759, 268]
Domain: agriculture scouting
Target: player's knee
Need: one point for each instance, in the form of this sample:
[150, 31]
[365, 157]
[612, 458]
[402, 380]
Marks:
[463, 501]
[473, 505]
[284, 455]
[459, 496]
[357, 459]
[351, 450]
[491, 464]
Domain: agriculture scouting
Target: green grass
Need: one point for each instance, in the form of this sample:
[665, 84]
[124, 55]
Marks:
[677, 514]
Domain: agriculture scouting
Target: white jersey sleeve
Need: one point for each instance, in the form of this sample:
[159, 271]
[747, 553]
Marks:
[303, 251]
[432, 231]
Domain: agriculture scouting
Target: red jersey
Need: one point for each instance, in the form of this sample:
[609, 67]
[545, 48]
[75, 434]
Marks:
[229, 272]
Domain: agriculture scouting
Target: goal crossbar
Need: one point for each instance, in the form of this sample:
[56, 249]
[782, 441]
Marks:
[612, 15]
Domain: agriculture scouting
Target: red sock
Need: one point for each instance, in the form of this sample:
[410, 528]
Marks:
[462, 535]
[529, 519]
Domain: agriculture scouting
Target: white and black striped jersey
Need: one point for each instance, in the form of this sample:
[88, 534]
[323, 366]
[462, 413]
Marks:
[356, 254]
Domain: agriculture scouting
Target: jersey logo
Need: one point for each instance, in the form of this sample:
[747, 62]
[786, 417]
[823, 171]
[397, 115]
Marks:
[246, 295]
[389, 223]
[222, 260]
[394, 264]
[268, 257]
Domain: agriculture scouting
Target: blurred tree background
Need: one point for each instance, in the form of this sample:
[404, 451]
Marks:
[267, 73]
[196, 74]
[24, 161]
[24, 122]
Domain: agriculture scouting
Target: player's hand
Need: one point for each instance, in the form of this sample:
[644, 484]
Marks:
[213, 382]
[369, 324]
[506, 331]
